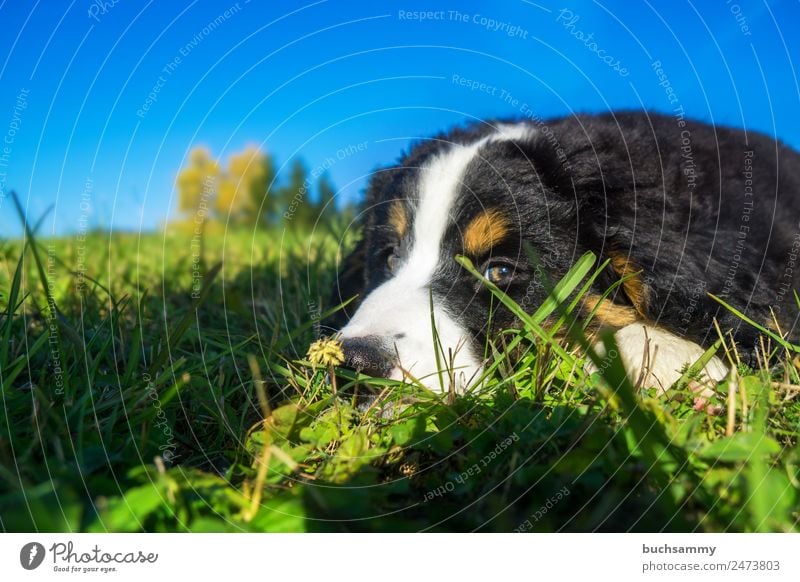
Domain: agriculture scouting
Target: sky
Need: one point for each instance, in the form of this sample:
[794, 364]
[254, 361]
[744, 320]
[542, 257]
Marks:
[101, 101]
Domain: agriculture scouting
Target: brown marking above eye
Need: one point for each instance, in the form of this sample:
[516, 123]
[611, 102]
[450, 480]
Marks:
[634, 287]
[398, 218]
[485, 231]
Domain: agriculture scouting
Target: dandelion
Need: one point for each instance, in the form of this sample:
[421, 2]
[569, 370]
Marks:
[325, 352]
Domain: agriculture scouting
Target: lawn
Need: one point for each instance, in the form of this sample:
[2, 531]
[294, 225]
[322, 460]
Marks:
[153, 383]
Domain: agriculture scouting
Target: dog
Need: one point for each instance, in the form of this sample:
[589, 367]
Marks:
[680, 209]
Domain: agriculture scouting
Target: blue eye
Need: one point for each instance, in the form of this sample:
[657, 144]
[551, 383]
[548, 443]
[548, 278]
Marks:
[497, 273]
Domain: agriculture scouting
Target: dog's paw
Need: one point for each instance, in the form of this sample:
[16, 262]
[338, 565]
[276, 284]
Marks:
[654, 357]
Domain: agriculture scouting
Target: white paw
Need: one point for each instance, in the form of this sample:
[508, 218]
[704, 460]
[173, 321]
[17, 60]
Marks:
[654, 357]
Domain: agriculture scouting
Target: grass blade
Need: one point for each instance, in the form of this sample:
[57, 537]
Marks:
[768, 332]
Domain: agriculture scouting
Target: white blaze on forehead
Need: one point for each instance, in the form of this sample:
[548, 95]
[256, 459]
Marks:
[398, 311]
[438, 187]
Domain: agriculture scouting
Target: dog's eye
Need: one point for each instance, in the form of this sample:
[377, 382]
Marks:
[498, 273]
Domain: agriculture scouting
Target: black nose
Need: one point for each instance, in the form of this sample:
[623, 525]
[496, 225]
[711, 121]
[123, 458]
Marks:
[368, 356]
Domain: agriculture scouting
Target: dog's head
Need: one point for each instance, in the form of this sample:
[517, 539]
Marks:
[485, 193]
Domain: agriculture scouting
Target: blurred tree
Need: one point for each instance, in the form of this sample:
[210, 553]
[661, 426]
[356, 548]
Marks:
[238, 200]
[262, 188]
[293, 199]
[326, 204]
[327, 193]
[247, 192]
[197, 185]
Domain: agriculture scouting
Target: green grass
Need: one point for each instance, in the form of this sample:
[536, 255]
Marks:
[174, 412]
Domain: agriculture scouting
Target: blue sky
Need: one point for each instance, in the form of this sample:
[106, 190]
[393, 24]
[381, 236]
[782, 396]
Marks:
[317, 79]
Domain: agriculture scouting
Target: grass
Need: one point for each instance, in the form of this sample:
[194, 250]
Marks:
[145, 387]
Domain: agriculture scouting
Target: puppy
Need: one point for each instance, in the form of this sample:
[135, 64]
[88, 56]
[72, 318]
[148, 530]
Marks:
[681, 210]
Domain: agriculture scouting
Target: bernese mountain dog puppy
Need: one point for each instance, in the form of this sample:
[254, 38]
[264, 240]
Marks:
[680, 209]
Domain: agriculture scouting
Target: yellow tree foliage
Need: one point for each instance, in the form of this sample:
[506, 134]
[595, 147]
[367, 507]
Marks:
[237, 196]
[197, 184]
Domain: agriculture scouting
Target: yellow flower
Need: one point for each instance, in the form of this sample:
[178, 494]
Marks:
[325, 352]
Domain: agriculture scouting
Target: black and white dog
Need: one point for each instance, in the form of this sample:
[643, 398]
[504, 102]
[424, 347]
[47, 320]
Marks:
[681, 209]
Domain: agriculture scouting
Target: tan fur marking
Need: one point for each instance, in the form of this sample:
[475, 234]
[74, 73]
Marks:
[398, 219]
[484, 231]
[634, 286]
[608, 313]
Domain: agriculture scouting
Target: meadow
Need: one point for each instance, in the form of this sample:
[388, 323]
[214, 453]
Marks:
[157, 382]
